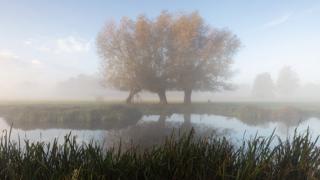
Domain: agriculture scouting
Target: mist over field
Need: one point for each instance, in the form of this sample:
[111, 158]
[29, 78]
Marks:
[159, 89]
[89, 88]
[38, 63]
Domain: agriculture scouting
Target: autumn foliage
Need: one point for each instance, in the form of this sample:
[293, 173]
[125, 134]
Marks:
[170, 52]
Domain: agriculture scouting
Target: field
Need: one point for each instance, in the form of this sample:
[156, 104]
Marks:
[66, 115]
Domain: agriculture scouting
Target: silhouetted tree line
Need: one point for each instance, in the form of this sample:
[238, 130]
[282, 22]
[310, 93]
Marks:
[285, 86]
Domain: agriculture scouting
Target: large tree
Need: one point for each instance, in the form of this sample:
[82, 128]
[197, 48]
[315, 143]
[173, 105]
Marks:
[201, 56]
[172, 51]
[135, 54]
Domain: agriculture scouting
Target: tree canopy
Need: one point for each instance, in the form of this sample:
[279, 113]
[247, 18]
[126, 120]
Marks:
[202, 55]
[169, 52]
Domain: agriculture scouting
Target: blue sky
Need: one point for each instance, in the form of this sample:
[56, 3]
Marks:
[46, 41]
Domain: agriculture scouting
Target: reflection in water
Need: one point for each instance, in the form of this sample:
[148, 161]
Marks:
[153, 129]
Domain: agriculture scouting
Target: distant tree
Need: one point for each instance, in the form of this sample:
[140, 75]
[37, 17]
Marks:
[202, 55]
[288, 81]
[80, 86]
[263, 86]
[135, 54]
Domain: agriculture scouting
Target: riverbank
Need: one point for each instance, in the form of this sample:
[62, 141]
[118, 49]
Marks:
[110, 115]
[183, 156]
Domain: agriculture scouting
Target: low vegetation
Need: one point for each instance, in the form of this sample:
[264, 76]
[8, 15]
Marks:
[93, 115]
[183, 156]
[83, 116]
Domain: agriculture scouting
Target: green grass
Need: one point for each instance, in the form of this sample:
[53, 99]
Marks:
[180, 156]
[80, 116]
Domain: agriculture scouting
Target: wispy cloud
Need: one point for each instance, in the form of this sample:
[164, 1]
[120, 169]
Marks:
[9, 58]
[7, 55]
[69, 44]
[278, 21]
[36, 62]
[72, 44]
[28, 42]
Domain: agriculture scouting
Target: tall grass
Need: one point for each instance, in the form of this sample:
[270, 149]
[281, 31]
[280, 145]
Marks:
[182, 156]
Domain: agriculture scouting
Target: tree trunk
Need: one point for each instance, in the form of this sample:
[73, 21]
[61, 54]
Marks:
[131, 96]
[187, 96]
[162, 97]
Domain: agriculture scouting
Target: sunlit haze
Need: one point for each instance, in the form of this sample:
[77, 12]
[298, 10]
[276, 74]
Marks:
[160, 89]
[43, 44]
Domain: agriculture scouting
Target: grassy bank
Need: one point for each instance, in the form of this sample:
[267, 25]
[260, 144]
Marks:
[93, 115]
[73, 116]
[178, 157]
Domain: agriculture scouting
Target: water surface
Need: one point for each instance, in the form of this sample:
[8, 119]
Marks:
[152, 129]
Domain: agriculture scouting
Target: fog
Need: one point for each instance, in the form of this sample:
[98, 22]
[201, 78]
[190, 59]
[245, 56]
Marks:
[159, 89]
[88, 87]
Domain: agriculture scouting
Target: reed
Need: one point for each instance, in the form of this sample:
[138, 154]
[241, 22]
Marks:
[181, 156]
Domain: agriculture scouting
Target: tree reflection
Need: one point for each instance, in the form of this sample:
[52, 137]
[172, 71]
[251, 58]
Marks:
[148, 134]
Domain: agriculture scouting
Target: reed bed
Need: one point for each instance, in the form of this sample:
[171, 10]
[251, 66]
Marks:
[180, 156]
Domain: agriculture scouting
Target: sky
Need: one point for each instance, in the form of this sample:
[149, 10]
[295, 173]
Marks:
[43, 42]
